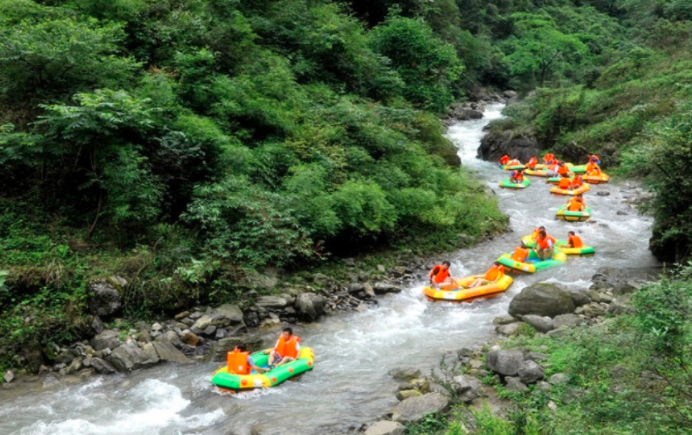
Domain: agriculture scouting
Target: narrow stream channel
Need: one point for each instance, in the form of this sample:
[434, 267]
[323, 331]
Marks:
[354, 351]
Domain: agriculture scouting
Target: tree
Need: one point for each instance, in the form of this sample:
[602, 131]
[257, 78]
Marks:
[540, 50]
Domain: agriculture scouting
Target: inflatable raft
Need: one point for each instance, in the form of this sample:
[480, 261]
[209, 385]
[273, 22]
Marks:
[513, 167]
[563, 246]
[508, 185]
[596, 179]
[529, 241]
[536, 172]
[464, 293]
[577, 169]
[231, 382]
[533, 264]
[573, 216]
[583, 188]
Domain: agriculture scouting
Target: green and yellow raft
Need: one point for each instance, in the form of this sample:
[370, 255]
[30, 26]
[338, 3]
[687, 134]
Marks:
[231, 382]
[533, 264]
[563, 246]
[509, 185]
[513, 167]
[573, 216]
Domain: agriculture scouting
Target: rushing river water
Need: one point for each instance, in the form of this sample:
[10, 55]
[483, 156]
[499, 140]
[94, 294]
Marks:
[354, 351]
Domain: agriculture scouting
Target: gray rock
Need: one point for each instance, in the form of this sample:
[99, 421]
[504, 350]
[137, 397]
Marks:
[534, 356]
[515, 384]
[530, 372]
[196, 315]
[202, 323]
[621, 306]
[356, 287]
[385, 287]
[497, 143]
[567, 320]
[219, 349]
[386, 428]
[412, 410]
[105, 296]
[603, 193]
[65, 356]
[594, 310]
[209, 330]
[545, 386]
[170, 337]
[156, 327]
[50, 381]
[542, 299]
[106, 340]
[272, 302]
[407, 394]
[559, 379]
[167, 352]
[9, 376]
[102, 366]
[540, 323]
[227, 315]
[129, 357]
[74, 366]
[558, 333]
[622, 280]
[504, 320]
[580, 297]
[506, 362]
[310, 306]
[405, 374]
[467, 387]
[97, 325]
[508, 330]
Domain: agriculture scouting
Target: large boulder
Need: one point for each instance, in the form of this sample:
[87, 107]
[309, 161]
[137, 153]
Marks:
[542, 299]
[386, 428]
[310, 306]
[413, 409]
[108, 339]
[623, 280]
[105, 296]
[129, 357]
[167, 352]
[467, 387]
[273, 302]
[506, 362]
[530, 372]
[385, 287]
[226, 314]
[516, 145]
[102, 366]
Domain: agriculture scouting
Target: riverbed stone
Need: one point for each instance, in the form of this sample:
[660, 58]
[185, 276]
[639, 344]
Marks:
[509, 330]
[559, 379]
[108, 339]
[405, 394]
[386, 427]
[129, 357]
[413, 409]
[506, 362]
[467, 387]
[105, 296]
[405, 374]
[227, 315]
[102, 366]
[170, 337]
[310, 306]
[514, 384]
[540, 323]
[504, 320]
[167, 352]
[202, 323]
[530, 372]
[9, 376]
[567, 321]
[385, 287]
[579, 296]
[272, 302]
[541, 299]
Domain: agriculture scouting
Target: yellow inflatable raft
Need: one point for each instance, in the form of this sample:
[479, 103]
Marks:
[596, 179]
[583, 188]
[466, 294]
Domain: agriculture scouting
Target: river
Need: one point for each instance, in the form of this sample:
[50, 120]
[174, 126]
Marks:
[354, 351]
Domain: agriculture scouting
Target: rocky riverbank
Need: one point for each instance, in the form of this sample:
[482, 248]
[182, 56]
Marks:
[542, 308]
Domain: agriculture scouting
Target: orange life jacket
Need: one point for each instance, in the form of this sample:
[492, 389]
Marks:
[236, 362]
[575, 204]
[590, 166]
[514, 162]
[577, 181]
[504, 159]
[575, 241]
[288, 349]
[517, 176]
[437, 274]
[494, 273]
[520, 254]
[544, 243]
[563, 170]
[532, 162]
[549, 157]
[564, 183]
[595, 171]
[553, 167]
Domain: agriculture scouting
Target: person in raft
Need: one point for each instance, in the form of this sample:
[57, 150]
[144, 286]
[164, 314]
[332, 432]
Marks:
[504, 159]
[521, 254]
[577, 182]
[544, 245]
[514, 162]
[494, 274]
[563, 170]
[531, 164]
[440, 277]
[287, 349]
[548, 158]
[573, 240]
[576, 203]
[516, 177]
[594, 158]
[240, 362]
[564, 182]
